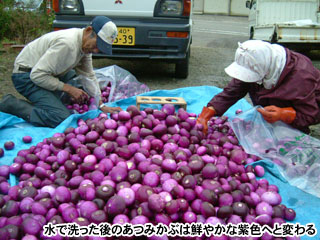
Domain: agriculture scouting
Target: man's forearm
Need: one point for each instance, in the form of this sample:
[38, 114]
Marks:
[66, 88]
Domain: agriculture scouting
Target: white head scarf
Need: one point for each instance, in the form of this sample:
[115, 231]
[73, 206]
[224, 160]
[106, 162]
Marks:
[258, 61]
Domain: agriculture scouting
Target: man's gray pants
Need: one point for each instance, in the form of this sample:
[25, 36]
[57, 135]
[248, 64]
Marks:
[47, 107]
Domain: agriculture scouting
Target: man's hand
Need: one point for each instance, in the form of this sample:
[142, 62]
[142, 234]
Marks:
[77, 94]
[272, 114]
[204, 117]
[107, 109]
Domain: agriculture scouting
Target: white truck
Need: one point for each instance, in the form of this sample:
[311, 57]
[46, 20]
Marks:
[293, 23]
[148, 29]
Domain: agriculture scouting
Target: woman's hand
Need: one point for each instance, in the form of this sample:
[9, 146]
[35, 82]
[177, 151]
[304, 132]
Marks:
[204, 117]
[272, 114]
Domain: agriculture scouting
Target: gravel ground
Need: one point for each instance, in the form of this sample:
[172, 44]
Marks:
[157, 75]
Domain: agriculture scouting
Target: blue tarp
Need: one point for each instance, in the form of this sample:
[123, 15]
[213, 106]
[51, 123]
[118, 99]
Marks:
[13, 128]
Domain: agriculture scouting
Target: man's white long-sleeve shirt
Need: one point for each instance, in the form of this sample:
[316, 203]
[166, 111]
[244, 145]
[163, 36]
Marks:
[53, 55]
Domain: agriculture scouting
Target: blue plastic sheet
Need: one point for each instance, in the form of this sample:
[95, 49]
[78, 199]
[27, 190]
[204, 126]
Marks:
[13, 128]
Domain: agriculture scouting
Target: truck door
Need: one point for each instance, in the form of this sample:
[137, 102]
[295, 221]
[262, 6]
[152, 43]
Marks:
[252, 17]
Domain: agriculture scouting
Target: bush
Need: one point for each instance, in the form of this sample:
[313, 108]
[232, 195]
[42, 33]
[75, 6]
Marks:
[27, 26]
[22, 25]
[5, 19]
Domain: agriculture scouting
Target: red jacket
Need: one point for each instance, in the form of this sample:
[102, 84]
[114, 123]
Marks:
[298, 87]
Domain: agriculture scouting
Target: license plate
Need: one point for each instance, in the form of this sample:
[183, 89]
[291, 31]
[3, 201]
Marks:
[126, 36]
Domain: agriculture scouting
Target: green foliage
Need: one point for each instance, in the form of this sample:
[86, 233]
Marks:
[5, 18]
[20, 24]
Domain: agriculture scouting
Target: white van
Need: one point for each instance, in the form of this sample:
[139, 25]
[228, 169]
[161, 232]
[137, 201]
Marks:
[148, 29]
[294, 23]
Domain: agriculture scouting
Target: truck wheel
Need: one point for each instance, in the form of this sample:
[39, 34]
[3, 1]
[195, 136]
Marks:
[182, 67]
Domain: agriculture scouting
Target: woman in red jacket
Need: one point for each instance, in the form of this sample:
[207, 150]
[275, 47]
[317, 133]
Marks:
[284, 82]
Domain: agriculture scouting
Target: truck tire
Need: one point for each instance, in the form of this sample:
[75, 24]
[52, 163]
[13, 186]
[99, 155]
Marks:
[182, 67]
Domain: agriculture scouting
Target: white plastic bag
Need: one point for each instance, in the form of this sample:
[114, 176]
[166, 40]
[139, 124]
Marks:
[296, 153]
[123, 83]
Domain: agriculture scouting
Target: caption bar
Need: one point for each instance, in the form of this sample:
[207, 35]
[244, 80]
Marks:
[179, 230]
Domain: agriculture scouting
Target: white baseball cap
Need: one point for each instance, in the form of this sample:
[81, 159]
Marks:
[250, 59]
[106, 32]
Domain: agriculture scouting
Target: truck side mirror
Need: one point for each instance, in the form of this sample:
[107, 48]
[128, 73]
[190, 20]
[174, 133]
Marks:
[248, 4]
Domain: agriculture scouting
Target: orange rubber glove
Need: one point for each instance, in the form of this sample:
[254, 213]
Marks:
[272, 114]
[204, 117]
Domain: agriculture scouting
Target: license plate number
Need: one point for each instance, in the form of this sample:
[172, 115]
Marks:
[126, 36]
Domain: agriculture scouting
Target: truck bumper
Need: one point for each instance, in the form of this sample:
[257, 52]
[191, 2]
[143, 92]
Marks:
[151, 41]
[289, 34]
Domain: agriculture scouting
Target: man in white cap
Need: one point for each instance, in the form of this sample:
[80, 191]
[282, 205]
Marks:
[282, 81]
[43, 68]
